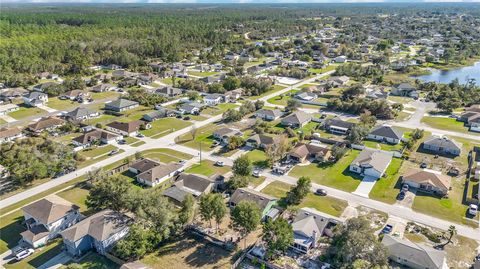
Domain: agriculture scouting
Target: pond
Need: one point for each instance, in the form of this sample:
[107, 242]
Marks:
[463, 74]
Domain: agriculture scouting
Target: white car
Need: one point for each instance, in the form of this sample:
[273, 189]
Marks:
[256, 173]
[220, 163]
[473, 209]
[24, 253]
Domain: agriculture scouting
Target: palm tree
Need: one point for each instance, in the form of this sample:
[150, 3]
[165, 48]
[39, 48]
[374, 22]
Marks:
[452, 231]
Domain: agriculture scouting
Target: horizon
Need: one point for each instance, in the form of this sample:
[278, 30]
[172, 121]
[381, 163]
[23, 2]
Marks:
[234, 1]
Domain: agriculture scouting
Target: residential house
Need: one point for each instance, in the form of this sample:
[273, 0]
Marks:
[98, 232]
[121, 105]
[213, 99]
[261, 141]
[306, 96]
[374, 92]
[234, 95]
[81, 113]
[158, 114]
[168, 91]
[75, 95]
[121, 73]
[146, 78]
[297, 119]
[186, 184]
[95, 136]
[224, 134]
[371, 163]
[338, 126]
[386, 134]
[213, 78]
[35, 99]
[442, 145]
[268, 115]
[308, 226]
[405, 89]
[10, 134]
[302, 152]
[341, 59]
[158, 174]
[5, 109]
[46, 218]
[427, 180]
[264, 202]
[471, 117]
[339, 81]
[45, 124]
[12, 93]
[127, 128]
[192, 108]
[413, 255]
[43, 86]
[102, 88]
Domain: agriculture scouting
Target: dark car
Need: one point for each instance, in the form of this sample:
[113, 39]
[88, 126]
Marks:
[401, 195]
[423, 165]
[186, 118]
[387, 229]
[321, 192]
[405, 188]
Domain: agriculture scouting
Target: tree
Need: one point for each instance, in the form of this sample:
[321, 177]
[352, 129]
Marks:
[237, 182]
[245, 217]
[354, 243]
[338, 152]
[219, 208]
[187, 211]
[242, 166]
[111, 193]
[278, 150]
[357, 133]
[231, 83]
[235, 142]
[299, 191]
[136, 244]
[367, 120]
[293, 104]
[206, 208]
[278, 236]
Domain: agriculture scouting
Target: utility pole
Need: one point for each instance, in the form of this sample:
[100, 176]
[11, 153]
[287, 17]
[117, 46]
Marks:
[200, 154]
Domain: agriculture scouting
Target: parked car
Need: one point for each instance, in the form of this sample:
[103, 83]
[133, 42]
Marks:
[256, 173]
[23, 254]
[182, 162]
[387, 229]
[401, 195]
[215, 143]
[113, 152]
[321, 192]
[405, 188]
[123, 141]
[423, 165]
[219, 163]
[473, 209]
[187, 118]
[140, 135]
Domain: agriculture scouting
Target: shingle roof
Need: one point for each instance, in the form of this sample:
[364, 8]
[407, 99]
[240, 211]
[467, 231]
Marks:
[49, 209]
[298, 117]
[121, 103]
[425, 176]
[245, 194]
[263, 139]
[144, 165]
[188, 183]
[376, 159]
[128, 127]
[45, 123]
[339, 123]
[442, 142]
[94, 135]
[159, 171]
[303, 150]
[9, 132]
[80, 112]
[387, 131]
[269, 112]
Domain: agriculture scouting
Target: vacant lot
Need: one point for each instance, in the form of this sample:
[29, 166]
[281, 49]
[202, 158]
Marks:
[449, 124]
[24, 112]
[275, 88]
[98, 151]
[258, 158]
[203, 137]
[58, 104]
[334, 175]
[165, 126]
[207, 168]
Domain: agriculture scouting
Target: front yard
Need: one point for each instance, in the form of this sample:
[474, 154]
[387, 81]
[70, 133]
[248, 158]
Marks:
[41, 256]
[98, 151]
[275, 88]
[165, 126]
[58, 104]
[203, 136]
[207, 168]
[333, 175]
[24, 112]
[258, 158]
[443, 123]
[387, 188]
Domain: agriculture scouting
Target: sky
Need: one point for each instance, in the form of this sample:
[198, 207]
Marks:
[231, 1]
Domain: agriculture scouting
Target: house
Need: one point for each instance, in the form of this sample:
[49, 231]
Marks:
[75, 95]
[168, 91]
[192, 108]
[10, 134]
[374, 92]
[372, 163]
[142, 165]
[158, 114]
[405, 89]
[442, 145]
[81, 113]
[121, 73]
[186, 184]
[223, 134]
[302, 152]
[308, 226]
[261, 141]
[43, 86]
[413, 255]
[213, 78]
[234, 95]
[5, 109]
[264, 202]
[297, 119]
[99, 232]
[127, 128]
[95, 136]
[102, 88]
[306, 96]
[46, 218]
[471, 117]
[338, 126]
[339, 81]
[35, 99]
[120, 105]
[268, 115]
[213, 99]
[427, 180]
[46, 124]
[12, 93]
[159, 174]
[386, 134]
[340, 59]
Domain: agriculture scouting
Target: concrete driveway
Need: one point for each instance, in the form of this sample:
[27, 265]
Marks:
[365, 186]
[408, 200]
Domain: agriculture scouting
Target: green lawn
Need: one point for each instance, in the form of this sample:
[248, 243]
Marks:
[207, 168]
[170, 82]
[218, 109]
[445, 124]
[41, 256]
[275, 88]
[255, 181]
[164, 126]
[164, 158]
[258, 158]
[58, 104]
[103, 119]
[202, 74]
[24, 112]
[10, 229]
[95, 152]
[282, 100]
[322, 70]
[382, 146]
[333, 175]
[400, 99]
[77, 196]
[134, 114]
[104, 95]
[203, 137]
[277, 189]
[387, 188]
[95, 261]
[2, 122]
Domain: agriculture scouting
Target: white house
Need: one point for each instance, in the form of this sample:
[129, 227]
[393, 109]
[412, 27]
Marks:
[213, 99]
[386, 134]
[35, 99]
[371, 163]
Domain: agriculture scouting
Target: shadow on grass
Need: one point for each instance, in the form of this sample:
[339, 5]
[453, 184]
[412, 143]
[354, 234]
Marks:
[46, 256]
[10, 233]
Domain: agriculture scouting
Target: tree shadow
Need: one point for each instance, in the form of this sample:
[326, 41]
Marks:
[11, 233]
[205, 254]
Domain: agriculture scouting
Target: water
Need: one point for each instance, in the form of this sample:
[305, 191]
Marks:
[463, 74]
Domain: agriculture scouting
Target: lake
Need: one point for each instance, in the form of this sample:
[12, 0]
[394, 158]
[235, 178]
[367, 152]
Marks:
[463, 74]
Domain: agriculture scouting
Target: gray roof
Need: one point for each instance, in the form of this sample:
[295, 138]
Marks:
[121, 103]
[423, 256]
[263, 139]
[49, 209]
[144, 165]
[339, 123]
[159, 171]
[188, 183]
[269, 112]
[376, 159]
[387, 131]
[298, 117]
[442, 142]
[35, 95]
[245, 194]
[80, 112]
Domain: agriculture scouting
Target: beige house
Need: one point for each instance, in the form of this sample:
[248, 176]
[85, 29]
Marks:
[428, 181]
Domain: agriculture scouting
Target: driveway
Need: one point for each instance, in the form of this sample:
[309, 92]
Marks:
[48, 109]
[365, 186]
[7, 118]
[408, 200]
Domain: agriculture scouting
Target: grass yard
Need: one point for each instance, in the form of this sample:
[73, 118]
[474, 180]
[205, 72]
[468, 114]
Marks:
[275, 88]
[164, 126]
[449, 124]
[277, 189]
[402, 116]
[218, 109]
[2, 121]
[258, 158]
[94, 261]
[322, 70]
[58, 104]
[282, 100]
[207, 168]
[333, 175]
[169, 80]
[202, 74]
[41, 256]
[104, 95]
[387, 188]
[255, 181]
[102, 119]
[96, 152]
[10, 229]
[203, 137]
[24, 112]
[382, 146]
[77, 196]
[399, 99]
[134, 114]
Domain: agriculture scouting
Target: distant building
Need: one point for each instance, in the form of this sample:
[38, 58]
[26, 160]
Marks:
[338, 126]
[297, 119]
[268, 114]
[35, 99]
[189, 184]
[121, 105]
[45, 124]
[10, 134]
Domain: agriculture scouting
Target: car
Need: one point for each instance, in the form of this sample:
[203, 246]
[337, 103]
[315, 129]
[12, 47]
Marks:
[401, 195]
[182, 162]
[187, 118]
[113, 152]
[140, 135]
[472, 209]
[256, 173]
[321, 192]
[215, 143]
[123, 141]
[219, 163]
[387, 229]
[23, 254]
[405, 187]
[423, 165]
